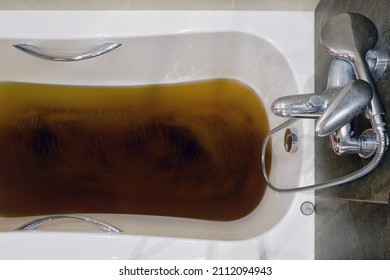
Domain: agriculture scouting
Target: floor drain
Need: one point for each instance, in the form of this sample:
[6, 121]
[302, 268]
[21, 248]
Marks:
[307, 208]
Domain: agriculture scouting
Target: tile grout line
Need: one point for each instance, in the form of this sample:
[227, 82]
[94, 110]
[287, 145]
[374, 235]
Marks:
[353, 199]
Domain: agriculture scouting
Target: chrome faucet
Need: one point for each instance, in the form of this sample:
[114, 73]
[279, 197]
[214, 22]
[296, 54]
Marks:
[313, 105]
[343, 100]
[351, 91]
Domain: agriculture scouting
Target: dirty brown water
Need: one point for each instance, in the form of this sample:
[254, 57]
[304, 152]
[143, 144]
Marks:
[183, 150]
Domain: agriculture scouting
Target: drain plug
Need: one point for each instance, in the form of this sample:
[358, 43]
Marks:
[307, 208]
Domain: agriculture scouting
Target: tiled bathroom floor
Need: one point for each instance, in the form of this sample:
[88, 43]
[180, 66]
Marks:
[347, 229]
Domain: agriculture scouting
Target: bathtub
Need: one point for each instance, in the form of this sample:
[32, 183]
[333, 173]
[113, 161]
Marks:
[272, 52]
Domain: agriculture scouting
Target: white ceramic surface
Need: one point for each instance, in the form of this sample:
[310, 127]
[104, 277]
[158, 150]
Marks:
[270, 51]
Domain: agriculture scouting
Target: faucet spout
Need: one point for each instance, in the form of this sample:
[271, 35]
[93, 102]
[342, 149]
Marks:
[312, 106]
[299, 106]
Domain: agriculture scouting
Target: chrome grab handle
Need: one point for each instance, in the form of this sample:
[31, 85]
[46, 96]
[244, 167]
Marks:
[37, 52]
[34, 224]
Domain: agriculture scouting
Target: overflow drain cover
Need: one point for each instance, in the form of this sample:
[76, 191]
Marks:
[291, 140]
[307, 208]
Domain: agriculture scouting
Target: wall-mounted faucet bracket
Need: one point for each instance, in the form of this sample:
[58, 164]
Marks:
[377, 61]
[345, 142]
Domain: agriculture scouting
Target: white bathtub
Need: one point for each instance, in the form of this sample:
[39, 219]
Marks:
[270, 51]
